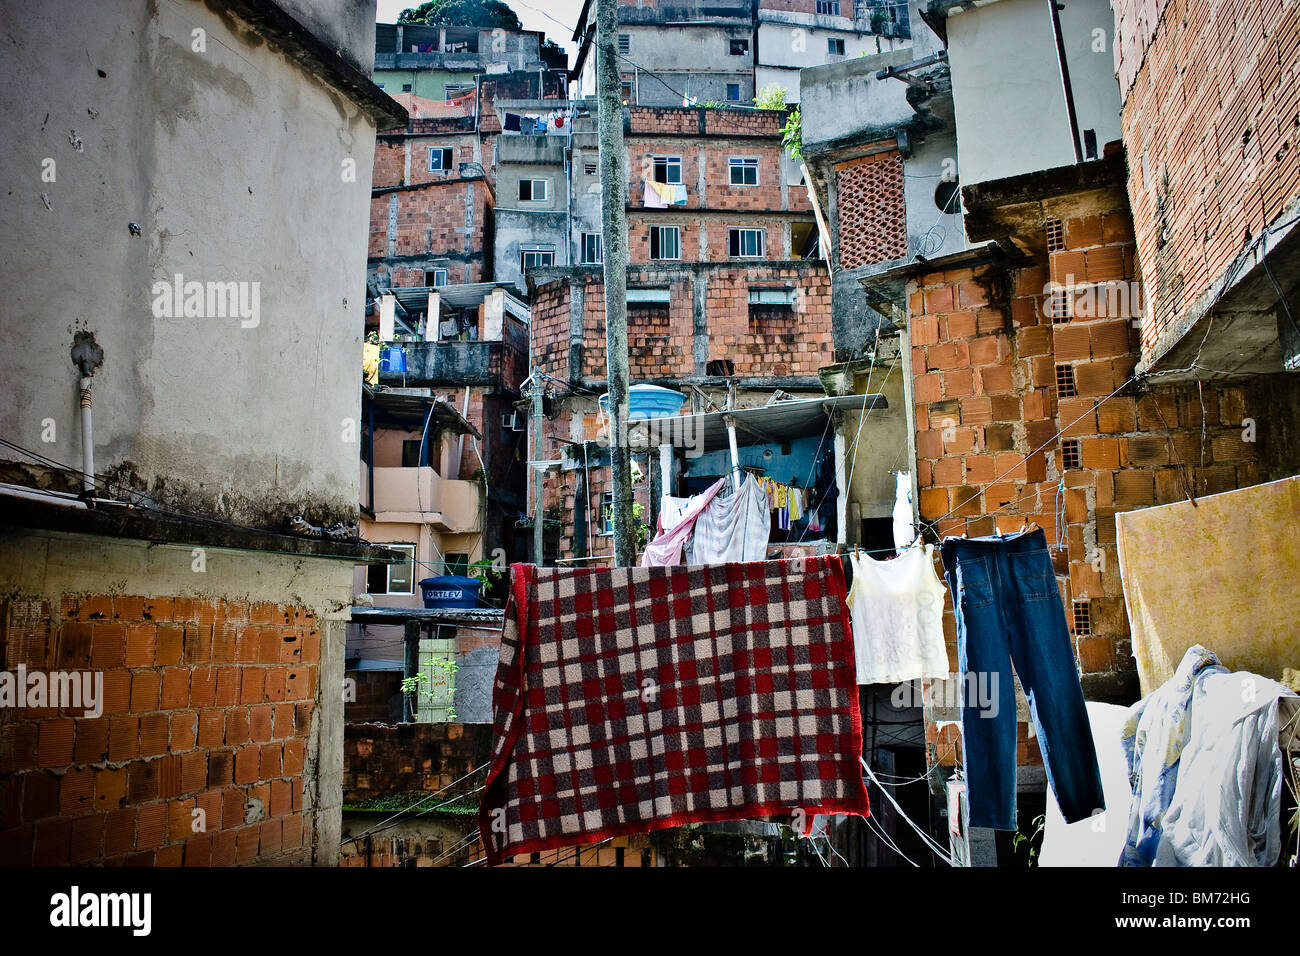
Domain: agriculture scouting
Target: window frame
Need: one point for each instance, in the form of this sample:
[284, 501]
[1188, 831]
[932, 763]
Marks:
[624, 43]
[667, 162]
[388, 569]
[525, 253]
[832, 43]
[741, 163]
[599, 246]
[737, 233]
[436, 284]
[446, 158]
[733, 42]
[730, 87]
[656, 239]
[532, 190]
[832, 8]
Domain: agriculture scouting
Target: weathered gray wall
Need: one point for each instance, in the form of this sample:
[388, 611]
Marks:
[233, 162]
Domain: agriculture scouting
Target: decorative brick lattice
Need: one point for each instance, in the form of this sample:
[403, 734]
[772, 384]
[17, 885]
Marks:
[872, 214]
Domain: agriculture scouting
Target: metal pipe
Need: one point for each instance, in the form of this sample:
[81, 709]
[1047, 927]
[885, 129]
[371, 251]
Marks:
[1055, 9]
[87, 437]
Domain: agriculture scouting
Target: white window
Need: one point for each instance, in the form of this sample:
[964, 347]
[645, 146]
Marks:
[624, 43]
[828, 8]
[744, 171]
[440, 160]
[737, 47]
[435, 277]
[668, 169]
[771, 297]
[452, 90]
[745, 243]
[606, 513]
[665, 242]
[533, 190]
[396, 578]
[536, 258]
[835, 46]
[592, 250]
[733, 92]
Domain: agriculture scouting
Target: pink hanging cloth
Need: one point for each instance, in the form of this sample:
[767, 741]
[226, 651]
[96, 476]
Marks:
[666, 549]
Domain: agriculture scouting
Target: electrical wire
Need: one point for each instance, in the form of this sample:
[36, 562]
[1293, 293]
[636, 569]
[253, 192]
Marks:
[403, 812]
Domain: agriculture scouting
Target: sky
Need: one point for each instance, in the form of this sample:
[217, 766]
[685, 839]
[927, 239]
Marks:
[544, 15]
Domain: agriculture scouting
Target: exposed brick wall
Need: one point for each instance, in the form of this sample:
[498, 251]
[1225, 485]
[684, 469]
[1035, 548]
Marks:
[985, 359]
[385, 759]
[208, 705]
[1211, 122]
[870, 210]
[661, 340]
[712, 121]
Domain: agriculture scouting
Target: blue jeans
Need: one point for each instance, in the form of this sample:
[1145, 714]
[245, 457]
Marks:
[1009, 612]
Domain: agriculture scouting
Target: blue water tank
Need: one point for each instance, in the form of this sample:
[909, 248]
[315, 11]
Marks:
[450, 590]
[392, 359]
[648, 401]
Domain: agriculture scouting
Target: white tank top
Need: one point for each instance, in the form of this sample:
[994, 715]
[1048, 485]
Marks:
[897, 612]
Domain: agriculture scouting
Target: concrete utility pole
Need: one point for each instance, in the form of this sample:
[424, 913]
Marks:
[538, 477]
[613, 190]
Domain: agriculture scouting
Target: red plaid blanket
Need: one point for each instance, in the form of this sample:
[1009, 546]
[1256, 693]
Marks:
[631, 699]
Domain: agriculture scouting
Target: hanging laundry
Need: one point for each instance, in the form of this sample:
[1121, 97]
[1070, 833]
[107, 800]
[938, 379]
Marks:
[678, 194]
[651, 199]
[631, 699]
[666, 548]
[795, 504]
[1221, 549]
[1008, 611]
[732, 528]
[1206, 767]
[511, 124]
[897, 612]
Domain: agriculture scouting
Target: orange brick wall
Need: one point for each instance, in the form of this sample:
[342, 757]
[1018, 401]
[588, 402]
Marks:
[661, 340]
[207, 705]
[1211, 123]
[985, 353]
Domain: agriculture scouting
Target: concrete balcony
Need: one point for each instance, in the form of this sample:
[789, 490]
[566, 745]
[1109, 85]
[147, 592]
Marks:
[448, 363]
[422, 496]
[537, 150]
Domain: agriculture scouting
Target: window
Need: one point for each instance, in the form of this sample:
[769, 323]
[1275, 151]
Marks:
[591, 169]
[455, 563]
[772, 297]
[627, 91]
[744, 172]
[624, 43]
[733, 92]
[440, 160]
[406, 87]
[738, 47]
[435, 277]
[665, 242]
[591, 248]
[606, 513]
[533, 190]
[668, 169]
[835, 45]
[828, 8]
[536, 258]
[396, 578]
[745, 243]
[452, 90]
[1089, 144]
